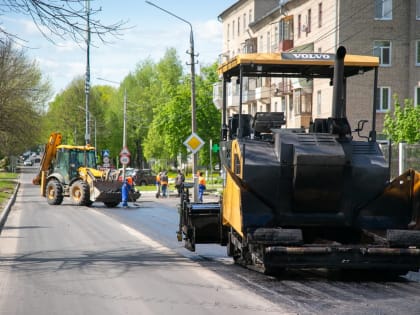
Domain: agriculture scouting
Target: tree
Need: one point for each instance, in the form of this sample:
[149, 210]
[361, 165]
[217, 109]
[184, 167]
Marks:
[64, 114]
[208, 116]
[404, 124]
[156, 88]
[172, 122]
[67, 115]
[62, 18]
[22, 96]
[158, 111]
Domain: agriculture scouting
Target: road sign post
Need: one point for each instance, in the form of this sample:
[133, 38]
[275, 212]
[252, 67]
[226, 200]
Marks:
[193, 144]
[124, 159]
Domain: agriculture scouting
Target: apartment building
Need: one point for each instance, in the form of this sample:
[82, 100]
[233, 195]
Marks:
[389, 29]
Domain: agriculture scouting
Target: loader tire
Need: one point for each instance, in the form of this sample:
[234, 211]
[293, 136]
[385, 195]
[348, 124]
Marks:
[79, 193]
[54, 192]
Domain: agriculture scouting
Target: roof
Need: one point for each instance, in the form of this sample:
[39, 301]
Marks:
[229, 9]
[291, 64]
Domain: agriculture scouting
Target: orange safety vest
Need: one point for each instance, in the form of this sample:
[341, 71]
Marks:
[202, 181]
[164, 181]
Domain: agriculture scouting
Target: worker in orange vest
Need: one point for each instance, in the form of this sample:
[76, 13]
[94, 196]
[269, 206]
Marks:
[164, 183]
[130, 181]
[158, 185]
[201, 186]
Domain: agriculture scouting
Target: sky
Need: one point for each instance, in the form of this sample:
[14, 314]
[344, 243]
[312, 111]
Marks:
[150, 32]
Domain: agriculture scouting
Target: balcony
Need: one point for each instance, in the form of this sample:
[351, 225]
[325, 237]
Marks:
[248, 96]
[250, 45]
[285, 44]
[282, 88]
[262, 93]
[232, 101]
[217, 94]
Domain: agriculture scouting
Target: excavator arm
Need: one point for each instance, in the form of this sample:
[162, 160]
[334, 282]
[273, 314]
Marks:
[49, 154]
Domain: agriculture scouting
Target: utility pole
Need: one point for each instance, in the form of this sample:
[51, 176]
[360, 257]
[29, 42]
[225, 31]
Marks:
[87, 79]
[125, 129]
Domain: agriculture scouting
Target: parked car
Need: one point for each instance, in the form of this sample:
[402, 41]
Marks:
[28, 163]
[128, 173]
[141, 177]
[144, 177]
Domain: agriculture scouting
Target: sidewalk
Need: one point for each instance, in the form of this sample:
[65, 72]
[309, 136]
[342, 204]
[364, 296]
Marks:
[8, 207]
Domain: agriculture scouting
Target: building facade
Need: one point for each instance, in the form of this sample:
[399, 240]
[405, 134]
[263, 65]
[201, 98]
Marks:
[389, 29]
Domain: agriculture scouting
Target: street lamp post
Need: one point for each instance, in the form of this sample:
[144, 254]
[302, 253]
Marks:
[193, 105]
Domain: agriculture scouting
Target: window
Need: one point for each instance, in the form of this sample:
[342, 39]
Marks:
[283, 104]
[250, 16]
[291, 106]
[286, 29]
[297, 101]
[417, 53]
[417, 96]
[268, 48]
[228, 31]
[308, 27]
[320, 14]
[318, 103]
[260, 44]
[383, 104]
[233, 29]
[383, 9]
[417, 9]
[239, 26]
[382, 49]
[244, 22]
[299, 24]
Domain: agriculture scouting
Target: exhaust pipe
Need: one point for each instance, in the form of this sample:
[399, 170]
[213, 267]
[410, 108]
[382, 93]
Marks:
[338, 123]
[339, 101]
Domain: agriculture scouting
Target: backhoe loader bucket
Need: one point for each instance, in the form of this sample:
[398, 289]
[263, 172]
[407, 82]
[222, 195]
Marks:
[106, 191]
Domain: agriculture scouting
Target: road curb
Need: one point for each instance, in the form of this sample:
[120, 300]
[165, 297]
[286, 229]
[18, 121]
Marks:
[6, 210]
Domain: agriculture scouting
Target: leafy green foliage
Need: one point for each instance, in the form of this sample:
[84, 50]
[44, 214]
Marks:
[158, 120]
[22, 96]
[67, 114]
[404, 124]
[172, 121]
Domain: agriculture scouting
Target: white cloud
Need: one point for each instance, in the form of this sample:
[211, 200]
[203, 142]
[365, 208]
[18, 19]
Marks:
[67, 46]
[210, 30]
[149, 39]
[30, 28]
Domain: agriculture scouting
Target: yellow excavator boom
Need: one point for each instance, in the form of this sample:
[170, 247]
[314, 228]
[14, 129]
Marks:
[49, 154]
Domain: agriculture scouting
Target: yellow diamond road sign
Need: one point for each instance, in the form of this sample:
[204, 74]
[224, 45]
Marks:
[194, 143]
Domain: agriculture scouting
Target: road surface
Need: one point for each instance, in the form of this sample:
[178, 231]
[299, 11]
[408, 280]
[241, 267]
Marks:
[78, 260]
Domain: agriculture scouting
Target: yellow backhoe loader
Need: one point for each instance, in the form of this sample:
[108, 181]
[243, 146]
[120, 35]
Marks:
[70, 171]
